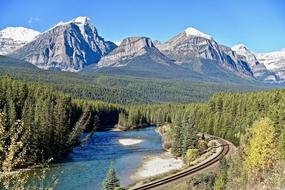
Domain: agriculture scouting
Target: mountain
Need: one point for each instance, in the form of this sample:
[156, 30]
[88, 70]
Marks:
[139, 57]
[68, 46]
[249, 56]
[259, 70]
[275, 62]
[12, 38]
[190, 55]
[202, 53]
[76, 45]
[131, 48]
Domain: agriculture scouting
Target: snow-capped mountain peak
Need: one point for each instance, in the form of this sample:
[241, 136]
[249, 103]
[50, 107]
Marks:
[249, 56]
[12, 38]
[82, 20]
[274, 61]
[68, 46]
[190, 31]
[240, 47]
[19, 34]
[259, 70]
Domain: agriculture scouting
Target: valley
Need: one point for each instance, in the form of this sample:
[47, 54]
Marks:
[142, 95]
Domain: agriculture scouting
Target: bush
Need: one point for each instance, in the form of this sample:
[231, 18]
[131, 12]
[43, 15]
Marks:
[191, 155]
[212, 144]
[202, 145]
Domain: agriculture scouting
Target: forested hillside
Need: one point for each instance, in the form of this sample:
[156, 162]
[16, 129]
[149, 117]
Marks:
[255, 122]
[37, 123]
[227, 115]
[122, 89]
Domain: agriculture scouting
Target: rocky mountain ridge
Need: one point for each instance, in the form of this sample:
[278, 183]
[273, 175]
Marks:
[67, 46]
[76, 44]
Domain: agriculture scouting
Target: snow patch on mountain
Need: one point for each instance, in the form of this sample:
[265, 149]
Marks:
[12, 38]
[117, 43]
[19, 34]
[250, 57]
[274, 61]
[80, 21]
[194, 32]
[240, 47]
[259, 70]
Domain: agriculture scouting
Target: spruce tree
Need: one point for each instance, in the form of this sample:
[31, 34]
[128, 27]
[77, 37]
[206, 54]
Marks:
[176, 145]
[112, 181]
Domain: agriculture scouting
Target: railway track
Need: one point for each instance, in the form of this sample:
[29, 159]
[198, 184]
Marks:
[187, 172]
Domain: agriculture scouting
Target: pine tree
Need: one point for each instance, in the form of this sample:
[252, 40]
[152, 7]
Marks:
[176, 145]
[123, 123]
[111, 181]
[281, 144]
[3, 136]
[12, 115]
[190, 139]
[96, 122]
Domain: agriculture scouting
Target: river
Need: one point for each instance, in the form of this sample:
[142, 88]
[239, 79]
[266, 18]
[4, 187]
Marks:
[86, 167]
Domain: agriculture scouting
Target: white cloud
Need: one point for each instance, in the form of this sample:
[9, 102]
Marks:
[33, 19]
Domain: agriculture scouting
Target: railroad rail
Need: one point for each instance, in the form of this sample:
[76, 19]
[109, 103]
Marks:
[187, 172]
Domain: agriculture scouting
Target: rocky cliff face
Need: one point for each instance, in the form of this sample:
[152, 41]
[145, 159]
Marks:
[185, 46]
[248, 56]
[274, 62]
[8, 45]
[131, 48]
[192, 44]
[73, 45]
[260, 72]
[68, 46]
[137, 56]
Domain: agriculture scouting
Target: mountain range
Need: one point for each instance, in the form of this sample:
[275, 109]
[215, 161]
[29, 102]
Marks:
[77, 46]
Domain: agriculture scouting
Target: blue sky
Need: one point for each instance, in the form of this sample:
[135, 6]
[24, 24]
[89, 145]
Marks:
[259, 24]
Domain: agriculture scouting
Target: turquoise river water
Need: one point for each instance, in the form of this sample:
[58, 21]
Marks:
[86, 167]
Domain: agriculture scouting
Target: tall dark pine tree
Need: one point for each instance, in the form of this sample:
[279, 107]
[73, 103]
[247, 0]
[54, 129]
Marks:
[3, 136]
[176, 146]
